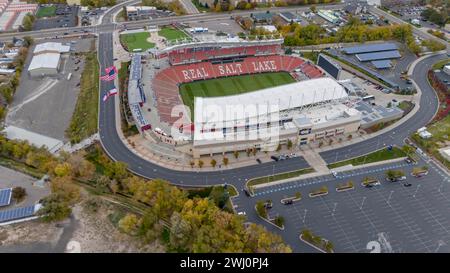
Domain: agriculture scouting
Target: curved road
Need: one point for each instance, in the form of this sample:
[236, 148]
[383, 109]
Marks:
[119, 152]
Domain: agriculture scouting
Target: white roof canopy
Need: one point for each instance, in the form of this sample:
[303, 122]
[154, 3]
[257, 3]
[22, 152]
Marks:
[46, 60]
[275, 99]
[51, 46]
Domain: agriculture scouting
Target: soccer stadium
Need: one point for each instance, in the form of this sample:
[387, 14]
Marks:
[281, 97]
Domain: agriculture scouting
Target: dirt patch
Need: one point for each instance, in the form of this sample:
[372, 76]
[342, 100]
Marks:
[95, 231]
[29, 232]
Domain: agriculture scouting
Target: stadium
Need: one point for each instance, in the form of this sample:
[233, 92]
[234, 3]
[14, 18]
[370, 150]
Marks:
[237, 95]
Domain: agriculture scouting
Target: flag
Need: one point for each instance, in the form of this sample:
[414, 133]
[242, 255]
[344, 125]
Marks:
[110, 93]
[111, 73]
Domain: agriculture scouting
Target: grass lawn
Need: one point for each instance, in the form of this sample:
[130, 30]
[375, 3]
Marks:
[441, 135]
[136, 41]
[46, 11]
[84, 119]
[376, 156]
[171, 34]
[276, 177]
[231, 86]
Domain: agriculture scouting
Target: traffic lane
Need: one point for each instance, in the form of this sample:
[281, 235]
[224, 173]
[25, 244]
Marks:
[413, 230]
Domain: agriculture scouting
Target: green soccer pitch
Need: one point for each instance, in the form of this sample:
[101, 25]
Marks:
[231, 86]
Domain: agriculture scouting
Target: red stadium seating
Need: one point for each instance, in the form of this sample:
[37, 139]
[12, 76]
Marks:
[189, 55]
[166, 82]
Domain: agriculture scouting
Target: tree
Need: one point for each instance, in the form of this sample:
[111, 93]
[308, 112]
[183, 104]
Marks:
[298, 195]
[225, 161]
[54, 208]
[18, 194]
[63, 169]
[278, 147]
[213, 163]
[261, 209]
[129, 224]
[433, 45]
[279, 221]
[66, 190]
[116, 170]
[313, 8]
[192, 163]
[289, 144]
[236, 154]
[180, 232]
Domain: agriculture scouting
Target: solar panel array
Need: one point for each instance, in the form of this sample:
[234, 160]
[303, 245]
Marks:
[370, 48]
[393, 54]
[5, 197]
[382, 64]
[17, 213]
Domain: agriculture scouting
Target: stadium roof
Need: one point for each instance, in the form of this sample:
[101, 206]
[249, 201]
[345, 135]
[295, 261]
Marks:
[381, 64]
[370, 48]
[51, 46]
[283, 97]
[45, 60]
[5, 197]
[378, 56]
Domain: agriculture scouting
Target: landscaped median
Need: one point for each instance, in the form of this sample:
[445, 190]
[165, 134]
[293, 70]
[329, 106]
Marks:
[377, 156]
[420, 171]
[290, 200]
[321, 244]
[369, 181]
[280, 176]
[345, 186]
[319, 192]
[261, 208]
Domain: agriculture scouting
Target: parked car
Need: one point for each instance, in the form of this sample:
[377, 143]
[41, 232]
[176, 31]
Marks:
[246, 192]
[275, 158]
[258, 160]
[288, 202]
[242, 213]
[406, 184]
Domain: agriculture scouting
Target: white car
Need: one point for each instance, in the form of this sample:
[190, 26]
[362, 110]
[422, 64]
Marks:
[242, 213]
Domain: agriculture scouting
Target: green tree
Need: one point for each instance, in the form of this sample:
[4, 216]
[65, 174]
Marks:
[213, 163]
[200, 163]
[54, 208]
[18, 194]
[129, 224]
[225, 161]
[279, 221]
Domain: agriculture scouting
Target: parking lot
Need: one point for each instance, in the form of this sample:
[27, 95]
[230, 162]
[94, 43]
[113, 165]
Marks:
[386, 218]
[31, 109]
[224, 25]
[66, 16]
[11, 179]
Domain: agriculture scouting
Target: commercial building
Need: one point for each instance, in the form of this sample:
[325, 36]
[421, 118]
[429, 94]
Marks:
[301, 112]
[139, 12]
[46, 59]
[328, 16]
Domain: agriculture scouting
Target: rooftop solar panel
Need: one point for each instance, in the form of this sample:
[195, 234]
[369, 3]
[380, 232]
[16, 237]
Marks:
[378, 56]
[381, 64]
[17, 213]
[370, 48]
[5, 197]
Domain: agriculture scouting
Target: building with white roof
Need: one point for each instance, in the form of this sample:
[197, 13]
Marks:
[301, 112]
[46, 59]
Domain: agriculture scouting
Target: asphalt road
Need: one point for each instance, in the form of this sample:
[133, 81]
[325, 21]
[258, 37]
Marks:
[428, 106]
